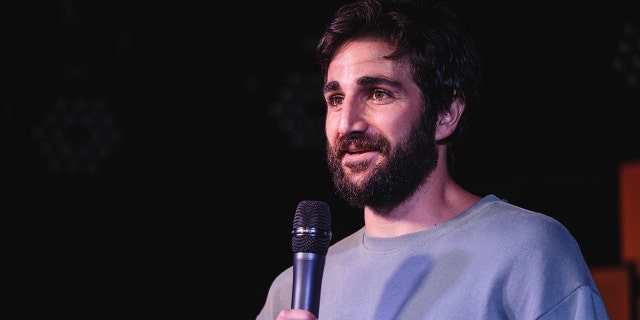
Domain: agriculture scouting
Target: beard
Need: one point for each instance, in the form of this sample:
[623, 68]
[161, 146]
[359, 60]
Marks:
[404, 168]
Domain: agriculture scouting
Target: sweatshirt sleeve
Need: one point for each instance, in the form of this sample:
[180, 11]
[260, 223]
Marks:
[278, 297]
[584, 304]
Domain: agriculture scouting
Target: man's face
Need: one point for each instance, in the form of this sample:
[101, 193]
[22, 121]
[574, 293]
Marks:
[379, 146]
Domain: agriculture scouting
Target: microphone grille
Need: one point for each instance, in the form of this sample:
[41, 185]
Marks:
[311, 227]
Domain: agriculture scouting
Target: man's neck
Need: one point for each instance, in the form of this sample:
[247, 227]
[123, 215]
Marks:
[434, 203]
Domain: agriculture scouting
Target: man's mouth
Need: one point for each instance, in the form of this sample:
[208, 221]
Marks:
[355, 150]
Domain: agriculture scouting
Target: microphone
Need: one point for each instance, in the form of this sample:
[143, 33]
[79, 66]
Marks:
[310, 240]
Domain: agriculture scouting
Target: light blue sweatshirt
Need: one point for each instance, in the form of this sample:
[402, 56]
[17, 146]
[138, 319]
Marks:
[493, 261]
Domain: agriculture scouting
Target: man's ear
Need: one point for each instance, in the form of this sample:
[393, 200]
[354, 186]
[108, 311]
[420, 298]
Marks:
[448, 121]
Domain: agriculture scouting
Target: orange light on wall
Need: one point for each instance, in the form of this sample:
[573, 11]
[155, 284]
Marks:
[630, 220]
[630, 212]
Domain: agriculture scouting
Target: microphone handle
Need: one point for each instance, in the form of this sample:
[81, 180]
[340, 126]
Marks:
[307, 280]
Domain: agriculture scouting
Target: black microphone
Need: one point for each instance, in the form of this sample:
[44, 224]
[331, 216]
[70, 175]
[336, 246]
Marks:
[310, 240]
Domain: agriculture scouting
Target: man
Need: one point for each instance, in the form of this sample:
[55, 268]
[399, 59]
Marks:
[399, 78]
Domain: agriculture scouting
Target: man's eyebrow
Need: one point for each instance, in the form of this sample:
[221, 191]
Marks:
[365, 81]
[331, 86]
[369, 81]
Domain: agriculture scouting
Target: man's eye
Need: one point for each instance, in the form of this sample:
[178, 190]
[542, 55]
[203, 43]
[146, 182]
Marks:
[379, 95]
[335, 101]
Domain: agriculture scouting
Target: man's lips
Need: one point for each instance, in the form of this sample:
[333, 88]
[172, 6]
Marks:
[354, 153]
[356, 150]
[359, 146]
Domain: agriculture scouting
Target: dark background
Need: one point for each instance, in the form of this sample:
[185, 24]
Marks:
[154, 153]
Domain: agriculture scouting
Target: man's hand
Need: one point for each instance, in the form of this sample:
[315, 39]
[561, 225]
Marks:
[295, 314]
